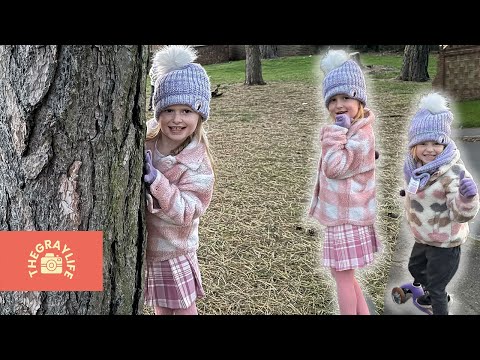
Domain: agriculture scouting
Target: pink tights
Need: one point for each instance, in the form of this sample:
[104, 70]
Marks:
[350, 297]
[192, 310]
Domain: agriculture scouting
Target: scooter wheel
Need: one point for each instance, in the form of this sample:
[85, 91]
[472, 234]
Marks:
[399, 296]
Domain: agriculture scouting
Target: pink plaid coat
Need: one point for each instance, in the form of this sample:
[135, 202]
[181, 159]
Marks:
[176, 200]
[345, 188]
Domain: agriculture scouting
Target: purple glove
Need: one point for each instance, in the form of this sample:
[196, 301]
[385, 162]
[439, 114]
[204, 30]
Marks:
[343, 120]
[150, 171]
[468, 188]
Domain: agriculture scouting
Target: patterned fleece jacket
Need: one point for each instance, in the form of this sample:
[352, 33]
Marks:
[344, 192]
[437, 214]
[176, 200]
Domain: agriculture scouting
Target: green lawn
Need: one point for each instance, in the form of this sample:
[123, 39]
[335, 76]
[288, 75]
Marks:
[381, 67]
[469, 113]
[392, 64]
[294, 68]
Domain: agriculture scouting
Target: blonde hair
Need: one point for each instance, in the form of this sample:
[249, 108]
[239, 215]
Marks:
[360, 113]
[413, 151]
[199, 134]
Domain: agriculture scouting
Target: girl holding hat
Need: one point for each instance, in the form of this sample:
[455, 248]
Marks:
[180, 179]
[440, 198]
[344, 194]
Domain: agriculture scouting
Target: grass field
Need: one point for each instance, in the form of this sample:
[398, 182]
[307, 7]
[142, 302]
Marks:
[259, 254]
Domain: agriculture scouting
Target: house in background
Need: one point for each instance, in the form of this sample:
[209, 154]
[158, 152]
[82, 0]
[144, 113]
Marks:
[458, 73]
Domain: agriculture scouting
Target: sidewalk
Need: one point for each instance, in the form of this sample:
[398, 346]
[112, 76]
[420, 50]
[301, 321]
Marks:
[465, 286]
[458, 134]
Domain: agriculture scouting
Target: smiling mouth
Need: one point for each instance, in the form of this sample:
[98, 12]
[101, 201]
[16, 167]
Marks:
[176, 128]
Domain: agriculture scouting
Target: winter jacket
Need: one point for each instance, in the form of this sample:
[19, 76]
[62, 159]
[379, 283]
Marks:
[437, 214]
[345, 189]
[178, 197]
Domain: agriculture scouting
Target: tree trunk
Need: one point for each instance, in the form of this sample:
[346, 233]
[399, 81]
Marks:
[72, 130]
[415, 63]
[269, 51]
[253, 66]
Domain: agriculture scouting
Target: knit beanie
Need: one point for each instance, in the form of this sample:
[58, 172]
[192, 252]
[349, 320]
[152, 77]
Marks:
[180, 81]
[431, 122]
[342, 76]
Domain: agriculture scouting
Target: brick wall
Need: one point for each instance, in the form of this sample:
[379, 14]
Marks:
[207, 54]
[212, 54]
[458, 72]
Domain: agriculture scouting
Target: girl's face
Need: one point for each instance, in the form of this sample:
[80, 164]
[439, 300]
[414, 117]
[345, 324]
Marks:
[341, 104]
[177, 122]
[428, 151]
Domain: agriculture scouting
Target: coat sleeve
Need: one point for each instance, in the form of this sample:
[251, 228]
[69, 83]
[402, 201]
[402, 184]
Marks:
[183, 202]
[345, 156]
[462, 209]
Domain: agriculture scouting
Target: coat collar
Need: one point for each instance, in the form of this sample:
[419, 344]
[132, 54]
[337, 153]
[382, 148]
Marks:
[193, 154]
[360, 123]
[444, 168]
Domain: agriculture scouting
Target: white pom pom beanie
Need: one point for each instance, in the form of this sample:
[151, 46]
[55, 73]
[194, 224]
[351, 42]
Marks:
[342, 76]
[432, 122]
[180, 81]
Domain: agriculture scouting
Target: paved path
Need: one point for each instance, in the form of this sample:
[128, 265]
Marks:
[465, 286]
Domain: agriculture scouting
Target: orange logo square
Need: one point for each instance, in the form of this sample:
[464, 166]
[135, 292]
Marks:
[51, 261]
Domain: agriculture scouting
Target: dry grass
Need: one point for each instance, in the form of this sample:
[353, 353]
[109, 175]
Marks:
[258, 252]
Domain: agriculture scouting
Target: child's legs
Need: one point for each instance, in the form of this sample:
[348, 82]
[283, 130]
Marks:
[362, 307]
[417, 264]
[191, 310]
[347, 297]
[441, 267]
[163, 311]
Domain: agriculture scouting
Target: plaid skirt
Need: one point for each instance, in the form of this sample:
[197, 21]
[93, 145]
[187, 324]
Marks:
[175, 283]
[349, 246]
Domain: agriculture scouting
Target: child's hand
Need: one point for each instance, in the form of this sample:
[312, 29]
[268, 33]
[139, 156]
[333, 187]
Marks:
[150, 171]
[343, 120]
[468, 188]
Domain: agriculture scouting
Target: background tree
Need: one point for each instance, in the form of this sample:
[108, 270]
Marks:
[72, 129]
[415, 63]
[269, 51]
[253, 65]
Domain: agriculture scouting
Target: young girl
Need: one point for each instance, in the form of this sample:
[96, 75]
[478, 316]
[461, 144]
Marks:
[344, 194]
[441, 198]
[180, 178]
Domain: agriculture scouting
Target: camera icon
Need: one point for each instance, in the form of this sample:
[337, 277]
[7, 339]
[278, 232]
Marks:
[51, 264]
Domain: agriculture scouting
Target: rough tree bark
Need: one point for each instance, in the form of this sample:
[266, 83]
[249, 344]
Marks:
[269, 51]
[415, 63]
[253, 66]
[72, 129]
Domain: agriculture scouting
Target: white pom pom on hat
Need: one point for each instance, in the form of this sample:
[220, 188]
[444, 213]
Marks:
[333, 59]
[172, 57]
[434, 102]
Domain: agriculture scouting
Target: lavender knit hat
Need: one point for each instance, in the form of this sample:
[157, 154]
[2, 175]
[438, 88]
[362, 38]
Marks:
[432, 122]
[342, 76]
[180, 81]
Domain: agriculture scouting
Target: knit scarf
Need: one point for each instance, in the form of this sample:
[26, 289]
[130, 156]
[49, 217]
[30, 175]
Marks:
[423, 173]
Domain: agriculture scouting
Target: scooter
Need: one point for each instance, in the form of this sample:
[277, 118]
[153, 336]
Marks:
[401, 294]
